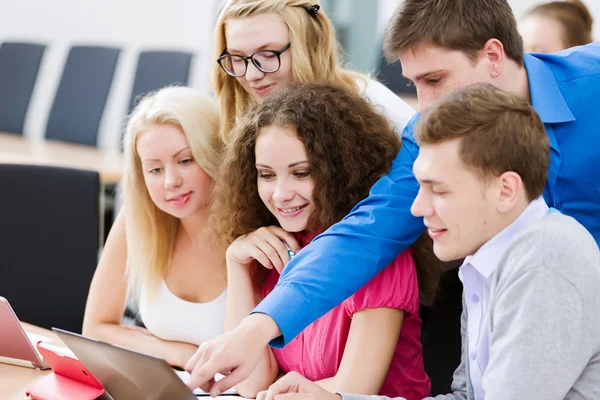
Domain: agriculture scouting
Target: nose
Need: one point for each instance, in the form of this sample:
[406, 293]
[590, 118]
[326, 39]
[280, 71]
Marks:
[253, 73]
[421, 206]
[172, 178]
[283, 192]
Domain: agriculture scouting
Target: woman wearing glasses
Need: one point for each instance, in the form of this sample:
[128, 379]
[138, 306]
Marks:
[263, 45]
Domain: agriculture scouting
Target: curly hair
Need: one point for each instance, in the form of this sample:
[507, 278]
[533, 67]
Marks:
[349, 146]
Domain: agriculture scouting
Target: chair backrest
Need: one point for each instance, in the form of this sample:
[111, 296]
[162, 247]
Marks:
[49, 242]
[157, 69]
[81, 95]
[19, 66]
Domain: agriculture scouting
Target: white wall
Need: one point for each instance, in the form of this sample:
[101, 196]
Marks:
[132, 25]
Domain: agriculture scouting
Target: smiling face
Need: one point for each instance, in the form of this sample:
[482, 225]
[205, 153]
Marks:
[284, 182]
[436, 71]
[176, 183]
[458, 206]
[245, 36]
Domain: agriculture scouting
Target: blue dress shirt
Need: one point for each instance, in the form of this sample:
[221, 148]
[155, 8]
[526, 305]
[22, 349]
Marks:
[565, 91]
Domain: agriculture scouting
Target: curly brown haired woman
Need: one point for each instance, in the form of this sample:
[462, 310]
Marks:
[295, 165]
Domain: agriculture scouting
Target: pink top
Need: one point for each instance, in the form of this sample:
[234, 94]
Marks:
[316, 353]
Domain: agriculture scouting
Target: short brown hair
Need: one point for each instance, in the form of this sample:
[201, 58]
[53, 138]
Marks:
[349, 146]
[574, 17]
[499, 131]
[464, 25]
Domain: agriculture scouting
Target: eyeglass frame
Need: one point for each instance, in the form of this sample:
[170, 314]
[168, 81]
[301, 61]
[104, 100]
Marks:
[278, 53]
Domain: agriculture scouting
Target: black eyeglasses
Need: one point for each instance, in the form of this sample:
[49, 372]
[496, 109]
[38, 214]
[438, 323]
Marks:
[265, 60]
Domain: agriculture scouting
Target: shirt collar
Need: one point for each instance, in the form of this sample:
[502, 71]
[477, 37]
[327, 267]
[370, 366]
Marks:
[546, 97]
[486, 259]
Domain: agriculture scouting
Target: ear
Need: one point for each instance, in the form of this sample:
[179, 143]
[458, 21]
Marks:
[493, 54]
[511, 188]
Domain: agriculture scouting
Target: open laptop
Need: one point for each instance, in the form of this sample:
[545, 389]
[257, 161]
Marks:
[126, 374]
[16, 347]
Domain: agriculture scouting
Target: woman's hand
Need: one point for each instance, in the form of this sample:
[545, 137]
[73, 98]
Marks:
[265, 245]
[294, 386]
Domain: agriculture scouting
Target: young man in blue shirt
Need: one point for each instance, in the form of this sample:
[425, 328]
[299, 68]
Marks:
[442, 45]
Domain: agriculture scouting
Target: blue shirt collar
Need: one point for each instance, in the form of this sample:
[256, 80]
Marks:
[487, 258]
[546, 97]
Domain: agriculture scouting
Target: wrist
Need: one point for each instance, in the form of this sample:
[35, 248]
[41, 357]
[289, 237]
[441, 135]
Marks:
[261, 326]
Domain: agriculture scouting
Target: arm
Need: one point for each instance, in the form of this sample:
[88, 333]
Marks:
[371, 344]
[539, 343]
[241, 300]
[102, 319]
[356, 248]
[265, 246]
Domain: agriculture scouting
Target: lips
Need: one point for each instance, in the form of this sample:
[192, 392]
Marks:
[262, 90]
[436, 233]
[291, 212]
[180, 199]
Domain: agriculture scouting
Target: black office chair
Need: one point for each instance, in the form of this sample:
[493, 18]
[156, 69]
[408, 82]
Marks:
[49, 242]
[81, 96]
[19, 66]
[441, 338]
[157, 69]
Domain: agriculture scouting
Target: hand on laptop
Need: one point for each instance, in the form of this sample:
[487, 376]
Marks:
[294, 386]
[234, 354]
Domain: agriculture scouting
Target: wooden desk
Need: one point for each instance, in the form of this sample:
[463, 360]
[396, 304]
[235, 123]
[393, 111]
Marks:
[16, 149]
[15, 380]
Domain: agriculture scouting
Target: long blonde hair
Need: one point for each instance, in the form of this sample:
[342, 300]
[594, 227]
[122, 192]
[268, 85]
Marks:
[151, 231]
[315, 53]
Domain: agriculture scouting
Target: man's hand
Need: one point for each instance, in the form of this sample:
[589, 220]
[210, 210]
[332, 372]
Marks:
[294, 386]
[235, 354]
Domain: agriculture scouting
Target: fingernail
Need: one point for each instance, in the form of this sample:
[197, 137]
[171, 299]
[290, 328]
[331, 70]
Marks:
[215, 393]
[279, 397]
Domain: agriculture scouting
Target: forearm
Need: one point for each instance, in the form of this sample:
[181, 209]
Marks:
[241, 300]
[137, 340]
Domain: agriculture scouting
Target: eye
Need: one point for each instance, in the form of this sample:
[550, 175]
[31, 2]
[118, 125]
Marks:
[302, 174]
[154, 171]
[266, 175]
[438, 192]
[186, 161]
[433, 81]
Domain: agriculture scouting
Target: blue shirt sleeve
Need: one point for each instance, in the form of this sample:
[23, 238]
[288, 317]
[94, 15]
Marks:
[346, 256]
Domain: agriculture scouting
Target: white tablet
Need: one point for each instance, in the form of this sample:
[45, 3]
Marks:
[15, 345]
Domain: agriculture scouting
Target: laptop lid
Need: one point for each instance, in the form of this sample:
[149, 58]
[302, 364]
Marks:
[15, 346]
[126, 374]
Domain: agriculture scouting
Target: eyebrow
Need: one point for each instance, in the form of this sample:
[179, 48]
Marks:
[263, 47]
[424, 75]
[174, 155]
[292, 165]
[431, 181]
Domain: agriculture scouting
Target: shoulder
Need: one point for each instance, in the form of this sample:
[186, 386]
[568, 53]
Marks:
[574, 63]
[395, 286]
[558, 243]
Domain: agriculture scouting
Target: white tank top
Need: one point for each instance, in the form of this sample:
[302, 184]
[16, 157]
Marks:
[171, 318]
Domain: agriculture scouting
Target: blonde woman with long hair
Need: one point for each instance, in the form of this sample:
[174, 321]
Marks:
[262, 45]
[159, 250]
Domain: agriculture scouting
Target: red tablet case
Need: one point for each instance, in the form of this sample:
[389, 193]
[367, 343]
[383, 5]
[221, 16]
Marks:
[69, 379]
